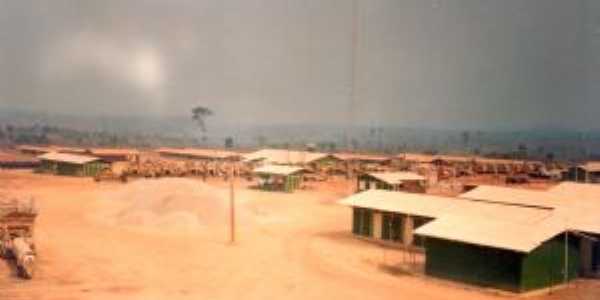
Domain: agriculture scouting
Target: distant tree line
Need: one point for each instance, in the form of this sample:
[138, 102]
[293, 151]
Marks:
[40, 134]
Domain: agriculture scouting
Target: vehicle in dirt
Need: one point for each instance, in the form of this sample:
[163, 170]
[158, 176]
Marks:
[17, 218]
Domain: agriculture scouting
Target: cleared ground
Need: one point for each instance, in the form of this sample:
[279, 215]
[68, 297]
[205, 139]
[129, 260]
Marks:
[289, 246]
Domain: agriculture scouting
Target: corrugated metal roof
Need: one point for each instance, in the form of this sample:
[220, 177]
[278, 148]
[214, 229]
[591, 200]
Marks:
[492, 232]
[278, 170]
[455, 158]
[68, 158]
[591, 166]
[113, 151]
[517, 228]
[582, 205]
[397, 177]
[514, 196]
[416, 157]
[31, 148]
[498, 161]
[437, 206]
[52, 148]
[199, 153]
[285, 157]
[583, 193]
[360, 157]
[407, 203]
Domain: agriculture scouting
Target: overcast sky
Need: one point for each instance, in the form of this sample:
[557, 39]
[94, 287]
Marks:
[434, 63]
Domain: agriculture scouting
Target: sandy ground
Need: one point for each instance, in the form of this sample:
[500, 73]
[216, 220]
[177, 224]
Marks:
[297, 246]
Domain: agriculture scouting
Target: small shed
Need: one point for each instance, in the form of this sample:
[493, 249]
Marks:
[585, 173]
[70, 164]
[279, 178]
[393, 181]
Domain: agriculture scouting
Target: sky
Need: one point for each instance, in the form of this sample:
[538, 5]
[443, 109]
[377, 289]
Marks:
[430, 63]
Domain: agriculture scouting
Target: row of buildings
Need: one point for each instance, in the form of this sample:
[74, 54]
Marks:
[349, 164]
[505, 238]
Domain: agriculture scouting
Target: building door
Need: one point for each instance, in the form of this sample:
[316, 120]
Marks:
[362, 185]
[372, 185]
[392, 227]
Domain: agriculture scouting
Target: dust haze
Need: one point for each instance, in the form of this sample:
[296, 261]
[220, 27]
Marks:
[458, 64]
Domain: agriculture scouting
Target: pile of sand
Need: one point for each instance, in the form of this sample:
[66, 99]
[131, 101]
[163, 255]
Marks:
[172, 204]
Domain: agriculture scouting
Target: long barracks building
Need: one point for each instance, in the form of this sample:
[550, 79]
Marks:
[511, 239]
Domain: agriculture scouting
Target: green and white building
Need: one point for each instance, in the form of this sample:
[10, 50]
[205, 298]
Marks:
[509, 239]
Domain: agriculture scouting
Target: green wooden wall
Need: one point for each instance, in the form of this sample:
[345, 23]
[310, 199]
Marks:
[544, 266]
[501, 269]
[47, 167]
[368, 179]
[66, 169]
[473, 264]
[290, 183]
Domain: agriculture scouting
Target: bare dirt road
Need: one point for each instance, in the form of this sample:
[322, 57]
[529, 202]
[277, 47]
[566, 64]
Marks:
[289, 246]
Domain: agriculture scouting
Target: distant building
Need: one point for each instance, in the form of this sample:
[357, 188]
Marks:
[17, 161]
[279, 178]
[392, 181]
[199, 154]
[353, 163]
[33, 150]
[114, 155]
[585, 173]
[415, 158]
[39, 150]
[286, 157]
[70, 164]
[363, 158]
[315, 162]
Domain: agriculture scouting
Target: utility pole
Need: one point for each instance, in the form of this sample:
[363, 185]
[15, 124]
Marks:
[353, 74]
[231, 208]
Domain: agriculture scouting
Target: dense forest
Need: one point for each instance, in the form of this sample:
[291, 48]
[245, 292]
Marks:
[37, 134]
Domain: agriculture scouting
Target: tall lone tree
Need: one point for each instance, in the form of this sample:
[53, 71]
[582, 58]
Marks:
[199, 115]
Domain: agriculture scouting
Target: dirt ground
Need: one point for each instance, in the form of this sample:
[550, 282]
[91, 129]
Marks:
[297, 246]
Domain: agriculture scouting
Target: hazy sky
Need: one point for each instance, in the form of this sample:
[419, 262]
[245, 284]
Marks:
[435, 63]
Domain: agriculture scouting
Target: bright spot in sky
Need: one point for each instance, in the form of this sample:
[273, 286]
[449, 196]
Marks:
[139, 65]
[147, 69]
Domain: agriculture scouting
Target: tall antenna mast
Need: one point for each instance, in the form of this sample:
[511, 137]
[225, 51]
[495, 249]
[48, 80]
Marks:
[353, 73]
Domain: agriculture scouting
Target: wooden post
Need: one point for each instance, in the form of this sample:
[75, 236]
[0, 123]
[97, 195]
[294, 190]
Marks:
[407, 237]
[566, 257]
[377, 225]
[231, 210]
